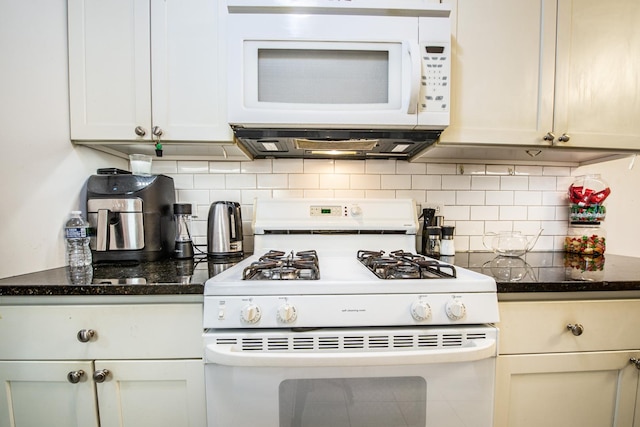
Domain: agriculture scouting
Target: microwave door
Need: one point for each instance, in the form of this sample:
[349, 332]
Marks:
[298, 71]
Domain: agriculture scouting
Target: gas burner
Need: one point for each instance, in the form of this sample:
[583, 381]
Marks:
[279, 265]
[404, 265]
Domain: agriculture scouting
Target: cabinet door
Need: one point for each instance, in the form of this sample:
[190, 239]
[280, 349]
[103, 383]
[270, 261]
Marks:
[598, 67]
[38, 393]
[152, 393]
[188, 70]
[566, 390]
[109, 69]
[502, 72]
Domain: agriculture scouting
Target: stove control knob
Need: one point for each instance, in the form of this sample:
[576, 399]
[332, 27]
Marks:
[356, 210]
[287, 313]
[250, 313]
[455, 309]
[421, 310]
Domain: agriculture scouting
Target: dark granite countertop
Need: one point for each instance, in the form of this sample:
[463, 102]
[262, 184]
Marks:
[170, 277]
[556, 272]
[536, 272]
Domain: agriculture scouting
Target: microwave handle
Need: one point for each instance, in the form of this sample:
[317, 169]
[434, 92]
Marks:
[413, 53]
[226, 355]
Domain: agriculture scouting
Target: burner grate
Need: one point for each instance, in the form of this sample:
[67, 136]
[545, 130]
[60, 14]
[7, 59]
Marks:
[404, 265]
[279, 265]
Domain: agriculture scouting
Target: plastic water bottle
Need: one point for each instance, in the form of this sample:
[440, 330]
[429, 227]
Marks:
[76, 233]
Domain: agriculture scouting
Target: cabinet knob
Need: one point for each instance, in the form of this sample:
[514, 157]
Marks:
[85, 335]
[156, 131]
[549, 137]
[576, 329]
[140, 131]
[74, 377]
[635, 362]
[101, 375]
[564, 138]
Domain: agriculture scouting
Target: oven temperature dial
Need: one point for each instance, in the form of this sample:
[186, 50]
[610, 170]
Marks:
[455, 309]
[421, 310]
[287, 313]
[250, 313]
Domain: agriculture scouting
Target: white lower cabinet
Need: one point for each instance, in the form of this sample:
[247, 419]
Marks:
[37, 393]
[548, 374]
[102, 365]
[151, 393]
[596, 389]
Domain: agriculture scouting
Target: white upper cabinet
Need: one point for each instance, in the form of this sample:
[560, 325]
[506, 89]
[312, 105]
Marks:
[524, 70]
[502, 71]
[597, 99]
[136, 65]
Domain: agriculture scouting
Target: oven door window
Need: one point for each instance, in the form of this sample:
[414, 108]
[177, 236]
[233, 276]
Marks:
[338, 402]
[323, 75]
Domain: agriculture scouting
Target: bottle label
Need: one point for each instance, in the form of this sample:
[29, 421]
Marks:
[75, 232]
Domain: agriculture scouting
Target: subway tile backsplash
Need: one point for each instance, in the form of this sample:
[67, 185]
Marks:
[476, 198]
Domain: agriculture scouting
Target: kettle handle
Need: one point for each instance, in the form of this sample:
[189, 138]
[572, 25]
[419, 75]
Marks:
[232, 219]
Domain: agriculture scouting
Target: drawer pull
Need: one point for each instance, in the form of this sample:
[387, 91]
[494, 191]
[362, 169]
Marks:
[74, 377]
[576, 329]
[101, 375]
[636, 362]
[85, 335]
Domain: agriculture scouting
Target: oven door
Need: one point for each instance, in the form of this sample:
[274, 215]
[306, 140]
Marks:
[351, 378]
[337, 71]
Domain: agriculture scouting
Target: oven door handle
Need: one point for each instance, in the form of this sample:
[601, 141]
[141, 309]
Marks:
[226, 355]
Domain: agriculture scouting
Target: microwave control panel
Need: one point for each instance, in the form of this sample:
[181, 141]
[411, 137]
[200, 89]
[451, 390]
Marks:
[435, 86]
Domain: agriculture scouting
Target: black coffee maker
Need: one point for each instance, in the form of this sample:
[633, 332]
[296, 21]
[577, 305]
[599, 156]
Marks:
[132, 216]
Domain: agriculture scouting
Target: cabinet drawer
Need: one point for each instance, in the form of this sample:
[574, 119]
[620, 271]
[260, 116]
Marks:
[129, 331]
[541, 327]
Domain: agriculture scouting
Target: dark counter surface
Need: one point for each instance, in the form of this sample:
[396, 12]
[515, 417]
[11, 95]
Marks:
[170, 277]
[556, 272]
[536, 272]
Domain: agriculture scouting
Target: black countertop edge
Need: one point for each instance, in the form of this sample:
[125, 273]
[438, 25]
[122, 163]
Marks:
[572, 286]
[92, 290]
[536, 272]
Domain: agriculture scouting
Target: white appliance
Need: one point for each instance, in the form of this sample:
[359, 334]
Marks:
[312, 66]
[331, 323]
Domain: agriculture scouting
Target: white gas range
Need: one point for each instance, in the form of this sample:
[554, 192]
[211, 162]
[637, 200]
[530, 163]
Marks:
[333, 293]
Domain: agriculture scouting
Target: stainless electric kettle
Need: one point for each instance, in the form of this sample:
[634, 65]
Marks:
[224, 230]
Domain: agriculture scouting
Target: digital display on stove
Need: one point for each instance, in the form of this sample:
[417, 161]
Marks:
[326, 210]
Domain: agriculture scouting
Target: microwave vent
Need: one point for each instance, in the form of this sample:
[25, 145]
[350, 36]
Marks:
[334, 143]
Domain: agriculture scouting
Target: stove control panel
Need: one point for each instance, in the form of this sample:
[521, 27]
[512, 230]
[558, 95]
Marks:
[298, 311]
[338, 210]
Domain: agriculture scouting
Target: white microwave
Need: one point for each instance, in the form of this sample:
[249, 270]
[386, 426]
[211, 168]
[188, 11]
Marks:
[338, 64]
